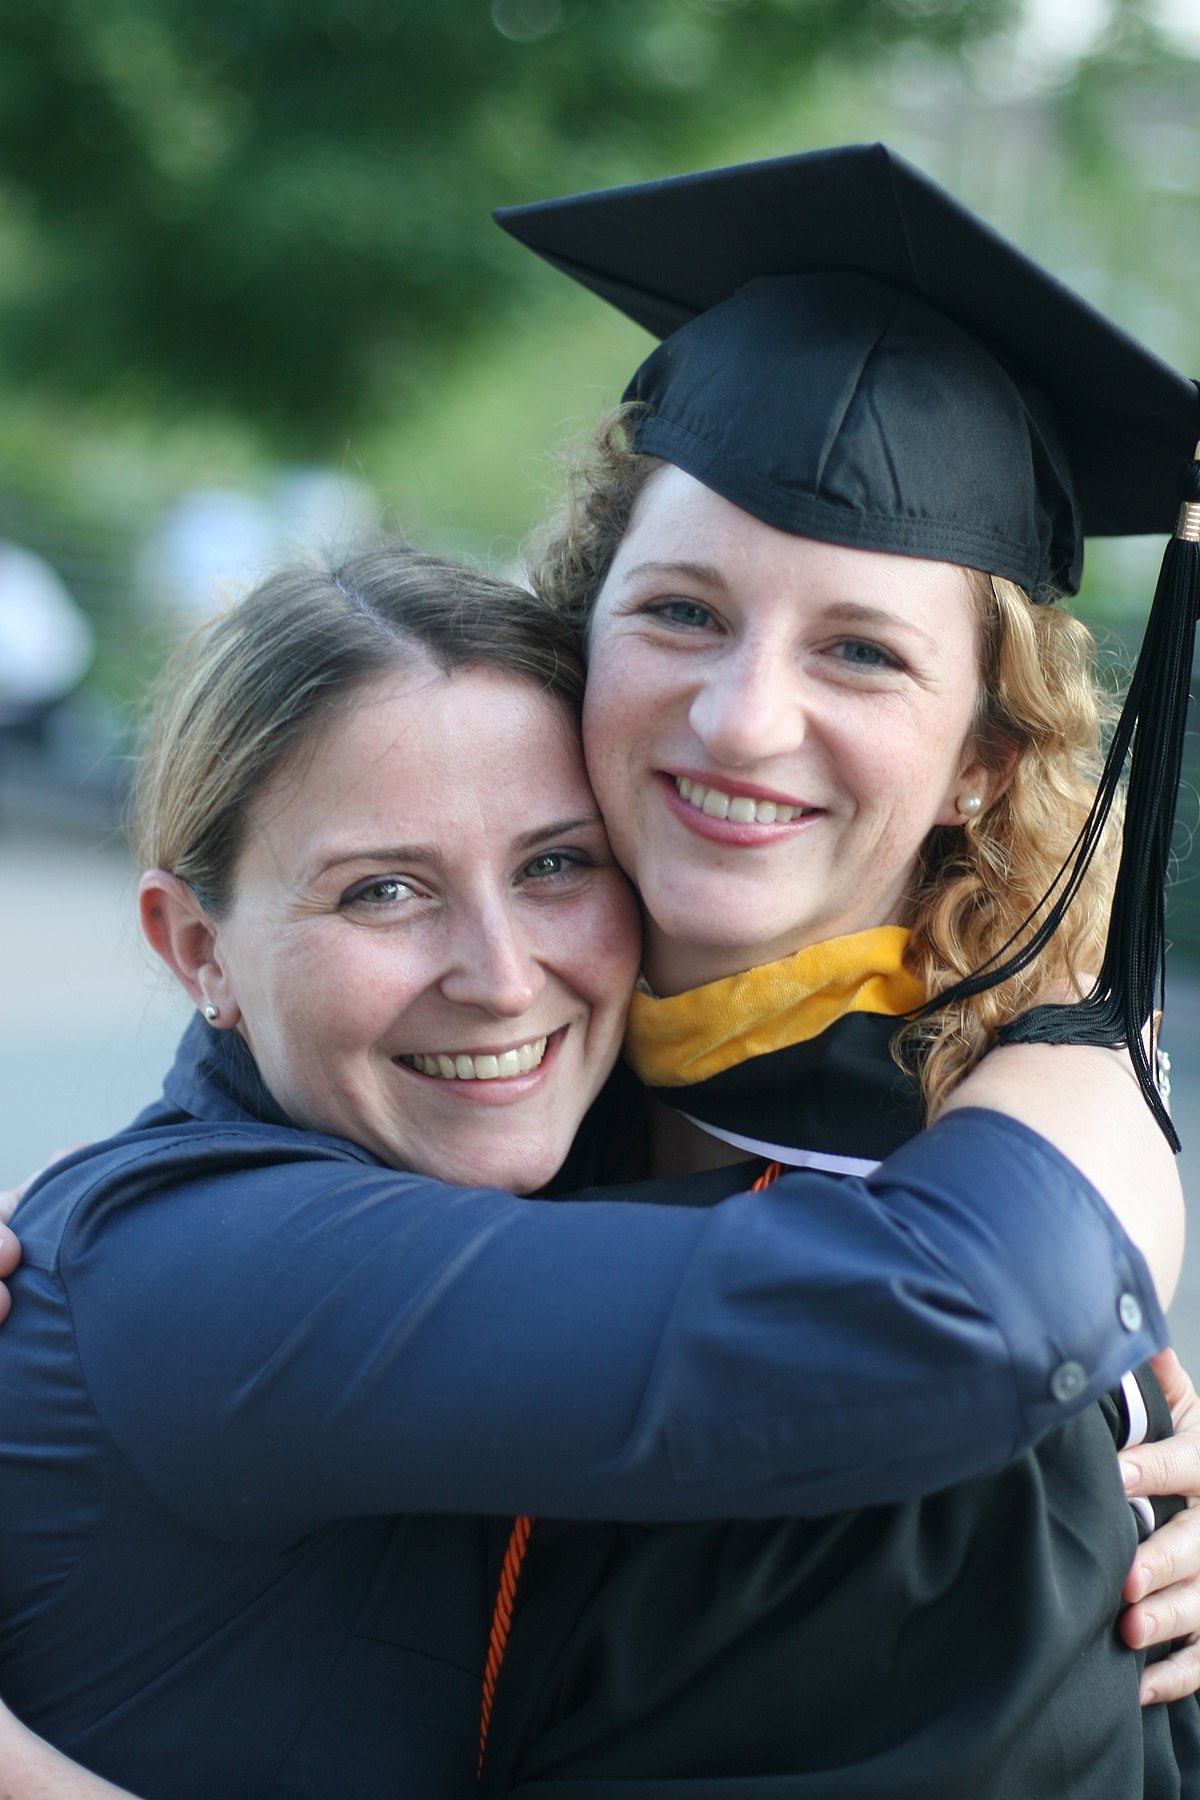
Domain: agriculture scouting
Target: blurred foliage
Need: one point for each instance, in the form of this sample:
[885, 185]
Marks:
[268, 218]
[279, 207]
[240, 233]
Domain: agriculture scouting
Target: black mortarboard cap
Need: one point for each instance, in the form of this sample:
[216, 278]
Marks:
[852, 355]
[1033, 422]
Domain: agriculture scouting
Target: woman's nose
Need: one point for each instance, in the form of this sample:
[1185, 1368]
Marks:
[495, 965]
[749, 709]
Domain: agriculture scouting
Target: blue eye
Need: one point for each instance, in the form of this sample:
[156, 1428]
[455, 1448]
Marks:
[688, 613]
[380, 891]
[863, 654]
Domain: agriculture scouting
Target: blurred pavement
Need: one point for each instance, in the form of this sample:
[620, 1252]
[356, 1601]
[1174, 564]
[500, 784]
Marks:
[90, 1019]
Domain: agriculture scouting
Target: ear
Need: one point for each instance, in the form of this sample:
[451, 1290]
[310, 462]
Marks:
[977, 778]
[179, 930]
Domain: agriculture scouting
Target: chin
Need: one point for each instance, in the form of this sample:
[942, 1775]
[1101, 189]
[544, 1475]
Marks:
[716, 913]
[513, 1172]
[757, 939]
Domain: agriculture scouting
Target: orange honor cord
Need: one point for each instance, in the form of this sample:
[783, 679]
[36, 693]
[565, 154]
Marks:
[510, 1572]
[514, 1556]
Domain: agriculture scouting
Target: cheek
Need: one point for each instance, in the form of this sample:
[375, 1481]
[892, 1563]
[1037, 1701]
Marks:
[622, 928]
[623, 699]
[601, 728]
[312, 1008]
[599, 947]
[295, 1041]
[912, 757]
[608, 743]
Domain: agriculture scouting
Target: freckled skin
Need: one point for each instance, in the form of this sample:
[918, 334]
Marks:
[843, 681]
[432, 876]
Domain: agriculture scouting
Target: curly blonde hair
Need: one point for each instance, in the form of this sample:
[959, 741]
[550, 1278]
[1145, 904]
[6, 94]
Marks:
[978, 888]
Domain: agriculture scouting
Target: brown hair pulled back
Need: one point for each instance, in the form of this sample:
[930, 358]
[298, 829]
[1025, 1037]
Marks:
[244, 695]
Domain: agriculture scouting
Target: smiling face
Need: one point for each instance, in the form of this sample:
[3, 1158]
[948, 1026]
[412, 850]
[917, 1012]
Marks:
[773, 725]
[430, 950]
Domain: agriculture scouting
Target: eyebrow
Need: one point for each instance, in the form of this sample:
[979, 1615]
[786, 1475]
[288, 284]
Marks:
[854, 612]
[556, 828]
[430, 854]
[706, 573]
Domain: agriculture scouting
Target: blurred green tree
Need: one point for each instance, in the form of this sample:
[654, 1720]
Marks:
[279, 207]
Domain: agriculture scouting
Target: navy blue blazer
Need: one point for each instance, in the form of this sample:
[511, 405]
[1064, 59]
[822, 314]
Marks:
[258, 1393]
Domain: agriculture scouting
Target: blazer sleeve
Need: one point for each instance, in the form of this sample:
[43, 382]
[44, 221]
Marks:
[277, 1339]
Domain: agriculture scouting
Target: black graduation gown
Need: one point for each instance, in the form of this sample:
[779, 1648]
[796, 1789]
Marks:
[960, 1645]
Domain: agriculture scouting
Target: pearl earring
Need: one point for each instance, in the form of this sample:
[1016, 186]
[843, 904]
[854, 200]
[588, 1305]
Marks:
[212, 1012]
[969, 805]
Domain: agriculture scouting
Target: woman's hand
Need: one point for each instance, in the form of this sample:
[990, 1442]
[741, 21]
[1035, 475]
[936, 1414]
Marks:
[1163, 1586]
[10, 1252]
[10, 1244]
[31, 1770]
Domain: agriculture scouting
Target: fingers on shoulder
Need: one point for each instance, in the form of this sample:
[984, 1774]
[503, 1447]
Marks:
[1174, 1678]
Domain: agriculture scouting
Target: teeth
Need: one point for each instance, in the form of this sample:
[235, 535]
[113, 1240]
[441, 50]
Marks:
[461, 1067]
[739, 807]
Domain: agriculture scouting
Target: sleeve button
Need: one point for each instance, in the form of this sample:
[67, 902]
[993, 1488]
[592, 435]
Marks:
[1129, 1312]
[1068, 1380]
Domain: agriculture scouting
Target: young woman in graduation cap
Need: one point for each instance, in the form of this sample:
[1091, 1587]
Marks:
[847, 747]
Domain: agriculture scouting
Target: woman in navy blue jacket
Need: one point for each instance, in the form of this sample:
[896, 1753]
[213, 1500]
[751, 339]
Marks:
[265, 1371]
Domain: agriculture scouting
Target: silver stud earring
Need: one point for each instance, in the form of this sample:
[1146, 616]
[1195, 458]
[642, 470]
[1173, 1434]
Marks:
[211, 1012]
[969, 805]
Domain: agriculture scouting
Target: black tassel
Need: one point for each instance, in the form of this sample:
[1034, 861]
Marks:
[1150, 733]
